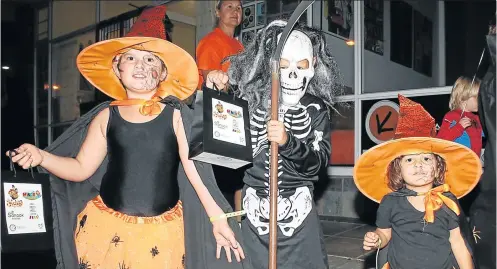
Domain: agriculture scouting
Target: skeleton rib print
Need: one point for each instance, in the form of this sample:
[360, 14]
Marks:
[296, 119]
[258, 131]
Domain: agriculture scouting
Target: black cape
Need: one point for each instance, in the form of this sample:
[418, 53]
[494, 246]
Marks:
[466, 231]
[483, 209]
[70, 198]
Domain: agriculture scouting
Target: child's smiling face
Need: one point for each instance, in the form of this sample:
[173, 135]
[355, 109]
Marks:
[418, 170]
[139, 71]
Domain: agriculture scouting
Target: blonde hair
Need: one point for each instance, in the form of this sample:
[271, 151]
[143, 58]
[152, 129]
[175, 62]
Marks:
[462, 91]
[219, 3]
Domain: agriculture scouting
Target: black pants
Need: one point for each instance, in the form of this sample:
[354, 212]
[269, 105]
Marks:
[229, 180]
[482, 215]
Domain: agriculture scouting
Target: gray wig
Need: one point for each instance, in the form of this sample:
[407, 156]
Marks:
[250, 70]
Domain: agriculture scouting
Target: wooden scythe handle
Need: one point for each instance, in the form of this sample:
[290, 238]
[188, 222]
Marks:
[275, 90]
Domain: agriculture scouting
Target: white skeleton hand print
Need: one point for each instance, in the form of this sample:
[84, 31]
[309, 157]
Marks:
[318, 137]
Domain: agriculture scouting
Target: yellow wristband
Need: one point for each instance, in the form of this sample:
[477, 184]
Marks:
[227, 215]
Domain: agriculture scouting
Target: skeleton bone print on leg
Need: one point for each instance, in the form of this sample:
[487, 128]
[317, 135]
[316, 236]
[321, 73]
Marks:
[296, 73]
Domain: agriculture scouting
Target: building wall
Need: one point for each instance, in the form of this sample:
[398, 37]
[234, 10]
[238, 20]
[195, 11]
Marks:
[69, 16]
[184, 35]
[65, 75]
[110, 9]
[381, 74]
[206, 18]
[338, 197]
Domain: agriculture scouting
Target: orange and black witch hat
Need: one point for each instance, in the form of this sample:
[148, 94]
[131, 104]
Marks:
[148, 33]
[415, 135]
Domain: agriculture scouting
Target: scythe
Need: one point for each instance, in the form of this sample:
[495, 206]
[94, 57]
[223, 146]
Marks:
[275, 90]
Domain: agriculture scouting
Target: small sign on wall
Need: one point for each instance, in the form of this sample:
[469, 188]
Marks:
[380, 117]
[381, 121]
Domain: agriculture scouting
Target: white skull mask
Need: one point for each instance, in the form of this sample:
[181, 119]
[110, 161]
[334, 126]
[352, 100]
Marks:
[295, 78]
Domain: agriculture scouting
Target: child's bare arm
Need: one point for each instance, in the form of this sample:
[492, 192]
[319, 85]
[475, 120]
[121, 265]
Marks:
[222, 232]
[206, 199]
[89, 158]
[372, 239]
[385, 236]
[460, 250]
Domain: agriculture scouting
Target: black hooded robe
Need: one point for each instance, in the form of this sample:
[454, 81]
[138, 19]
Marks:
[483, 209]
[70, 198]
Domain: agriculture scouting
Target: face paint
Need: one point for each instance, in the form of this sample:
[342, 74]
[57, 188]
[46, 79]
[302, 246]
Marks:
[140, 70]
[418, 170]
[296, 67]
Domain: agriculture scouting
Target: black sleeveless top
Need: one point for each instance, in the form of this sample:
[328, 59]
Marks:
[141, 178]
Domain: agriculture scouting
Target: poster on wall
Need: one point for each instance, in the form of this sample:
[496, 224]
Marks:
[340, 16]
[379, 117]
[248, 17]
[401, 33]
[261, 14]
[373, 26]
[423, 44]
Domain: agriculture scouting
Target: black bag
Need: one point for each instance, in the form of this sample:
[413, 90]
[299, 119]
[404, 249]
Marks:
[220, 133]
[27, 223]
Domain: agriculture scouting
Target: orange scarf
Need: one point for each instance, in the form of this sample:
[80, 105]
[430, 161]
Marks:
[434, 199]
[148, 107]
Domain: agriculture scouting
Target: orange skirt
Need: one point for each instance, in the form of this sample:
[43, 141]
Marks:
[107, 239]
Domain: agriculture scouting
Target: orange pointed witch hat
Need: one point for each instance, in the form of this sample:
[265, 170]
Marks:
[415, 135]
[148, 33]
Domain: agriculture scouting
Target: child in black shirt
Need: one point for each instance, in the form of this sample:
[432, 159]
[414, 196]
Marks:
[419, 220]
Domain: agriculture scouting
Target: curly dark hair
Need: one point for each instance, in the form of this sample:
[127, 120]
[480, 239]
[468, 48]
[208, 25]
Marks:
[394, 174]
[250, 70]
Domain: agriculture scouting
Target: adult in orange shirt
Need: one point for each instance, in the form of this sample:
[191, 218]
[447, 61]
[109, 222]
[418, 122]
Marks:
[211, 51]
[220, 43]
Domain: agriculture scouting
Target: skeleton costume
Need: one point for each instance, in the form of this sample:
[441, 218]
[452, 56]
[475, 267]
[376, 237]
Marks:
[306, 97]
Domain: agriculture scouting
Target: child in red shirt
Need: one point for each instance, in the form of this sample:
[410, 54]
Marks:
[460, 124]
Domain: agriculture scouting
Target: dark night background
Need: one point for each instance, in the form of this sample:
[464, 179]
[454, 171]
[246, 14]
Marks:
[466, 27]
[18, 26]
[17, 82]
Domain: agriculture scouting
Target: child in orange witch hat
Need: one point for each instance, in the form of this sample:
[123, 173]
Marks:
[418, 179]
[121, 174]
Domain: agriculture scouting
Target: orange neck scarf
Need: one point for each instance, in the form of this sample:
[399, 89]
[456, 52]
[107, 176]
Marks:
[147, 107]
[434, 199]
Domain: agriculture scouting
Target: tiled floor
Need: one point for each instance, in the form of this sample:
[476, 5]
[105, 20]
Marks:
[344, 245]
